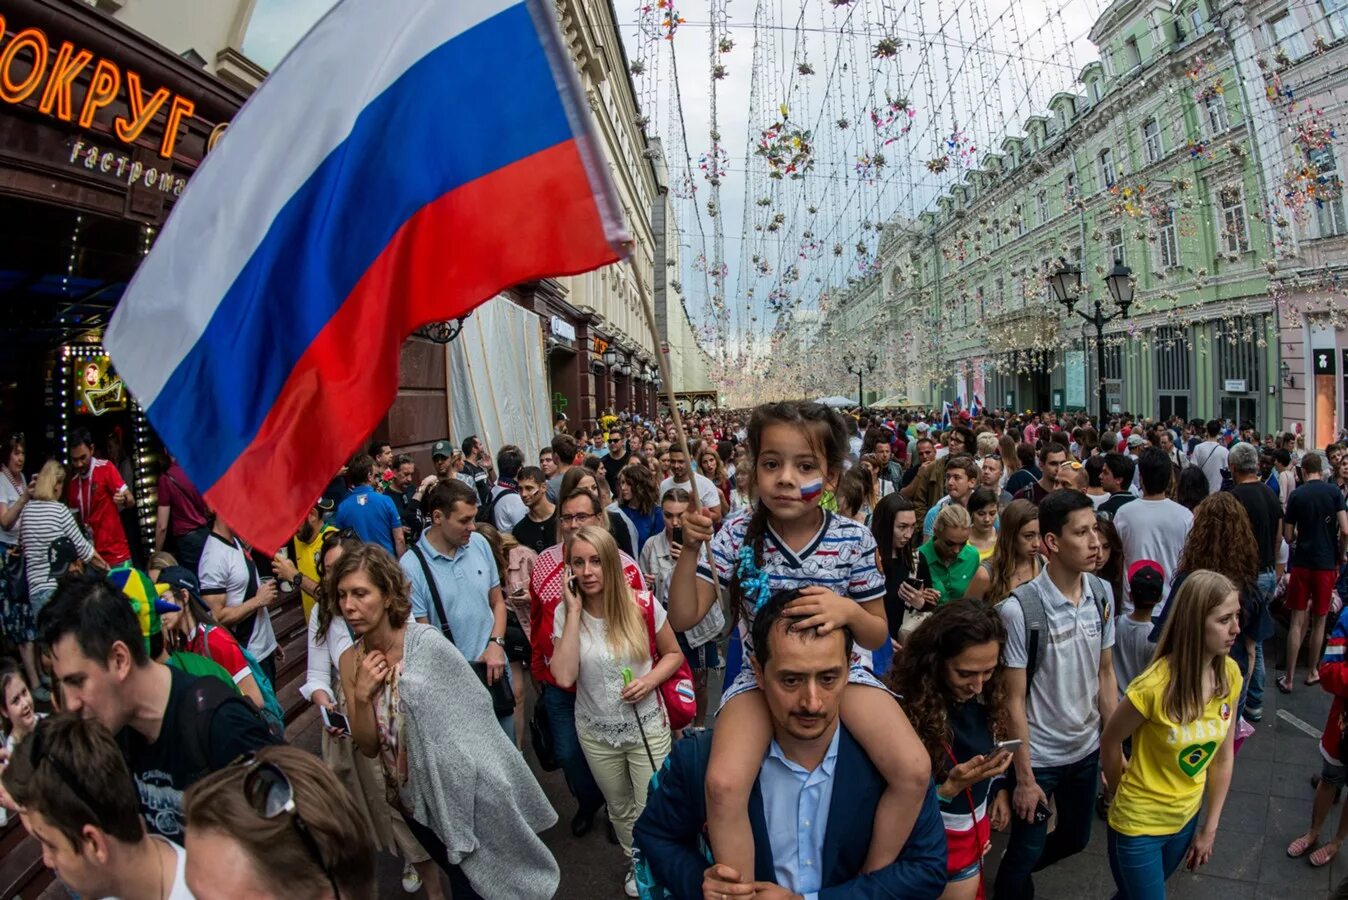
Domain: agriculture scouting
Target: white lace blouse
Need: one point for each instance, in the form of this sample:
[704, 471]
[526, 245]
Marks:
[600, 713]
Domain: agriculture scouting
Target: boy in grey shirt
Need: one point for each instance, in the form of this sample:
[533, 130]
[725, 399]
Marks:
[1061, 690]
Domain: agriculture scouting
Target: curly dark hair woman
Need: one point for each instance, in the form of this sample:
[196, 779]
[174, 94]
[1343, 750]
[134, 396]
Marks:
[1222, 540]
[929, 682]
[951, 680]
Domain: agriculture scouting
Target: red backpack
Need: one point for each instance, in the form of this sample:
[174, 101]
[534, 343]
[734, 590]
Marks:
[677, 692]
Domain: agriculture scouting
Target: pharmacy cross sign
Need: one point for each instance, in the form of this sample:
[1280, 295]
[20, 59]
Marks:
[559, 402]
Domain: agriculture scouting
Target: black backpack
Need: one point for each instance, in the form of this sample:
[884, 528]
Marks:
[487, 513]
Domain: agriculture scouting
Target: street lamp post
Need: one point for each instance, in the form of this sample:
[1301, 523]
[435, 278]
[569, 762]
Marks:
[1066, 283]
[862, 369]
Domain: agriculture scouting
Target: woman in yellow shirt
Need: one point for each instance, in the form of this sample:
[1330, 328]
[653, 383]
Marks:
[1179, 713]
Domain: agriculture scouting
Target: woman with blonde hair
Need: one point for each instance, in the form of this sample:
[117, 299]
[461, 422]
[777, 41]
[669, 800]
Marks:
[417, 705]
[1180, 713]
[1015, 559]
[602, 648]
[45, 518]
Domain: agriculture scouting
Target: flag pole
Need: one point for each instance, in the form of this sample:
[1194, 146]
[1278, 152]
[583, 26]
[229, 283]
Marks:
[662, 360]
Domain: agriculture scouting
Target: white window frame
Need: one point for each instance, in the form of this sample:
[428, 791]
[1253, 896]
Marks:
[1329, 214]
[1290, 42]
[1215, 115]
[1132, 53]
[1167, 243]
[1234, 215]
[1336, 13]
[1041, 207]
[1115, 242]
[1151, 142]
[1109, 174]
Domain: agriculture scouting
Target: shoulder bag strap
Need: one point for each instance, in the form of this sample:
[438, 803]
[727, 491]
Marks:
[1032, 611]
[435, 593]
[1098, 595]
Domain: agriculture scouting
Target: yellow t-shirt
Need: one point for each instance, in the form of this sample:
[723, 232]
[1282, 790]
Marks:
[306, 560]
[1162, 786]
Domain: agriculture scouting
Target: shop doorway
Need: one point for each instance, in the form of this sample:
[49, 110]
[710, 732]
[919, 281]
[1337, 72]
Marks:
[1239, 409]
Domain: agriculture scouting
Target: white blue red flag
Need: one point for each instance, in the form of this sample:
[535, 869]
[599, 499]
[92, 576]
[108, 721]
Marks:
[406, 161]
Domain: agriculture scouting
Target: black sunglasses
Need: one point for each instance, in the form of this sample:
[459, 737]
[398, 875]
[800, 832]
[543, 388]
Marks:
[270, 794]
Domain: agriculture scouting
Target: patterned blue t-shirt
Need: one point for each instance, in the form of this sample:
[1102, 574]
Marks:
[840, 557]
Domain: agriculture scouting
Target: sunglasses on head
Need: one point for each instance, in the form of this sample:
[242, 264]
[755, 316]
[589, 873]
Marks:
[270, 794]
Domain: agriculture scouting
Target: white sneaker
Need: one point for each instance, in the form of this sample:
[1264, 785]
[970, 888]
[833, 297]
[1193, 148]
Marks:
[630, 882]
[411, 880]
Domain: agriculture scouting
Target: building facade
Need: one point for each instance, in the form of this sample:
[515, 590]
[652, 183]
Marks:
[1174, 156]
[600, 354]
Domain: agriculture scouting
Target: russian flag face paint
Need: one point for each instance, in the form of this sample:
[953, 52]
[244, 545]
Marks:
[811, 490]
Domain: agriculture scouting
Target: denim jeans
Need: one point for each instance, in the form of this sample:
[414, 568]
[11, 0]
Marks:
[561, 706]
[1073, 788]
[1142, 864]
[1254, 686]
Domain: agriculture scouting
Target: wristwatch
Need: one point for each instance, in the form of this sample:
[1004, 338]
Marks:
[499, 641]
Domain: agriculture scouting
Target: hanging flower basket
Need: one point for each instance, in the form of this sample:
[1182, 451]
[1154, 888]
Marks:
[637, 67]
[938, 165]
[886, 48]
[805, 69]
[787, 147]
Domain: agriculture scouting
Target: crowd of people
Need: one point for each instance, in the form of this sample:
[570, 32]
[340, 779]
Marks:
[805, 654]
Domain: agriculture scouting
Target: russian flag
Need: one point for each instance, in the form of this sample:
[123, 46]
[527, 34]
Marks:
[408, 160]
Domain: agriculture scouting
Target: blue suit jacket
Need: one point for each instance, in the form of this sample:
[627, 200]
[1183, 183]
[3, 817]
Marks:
[669, 829]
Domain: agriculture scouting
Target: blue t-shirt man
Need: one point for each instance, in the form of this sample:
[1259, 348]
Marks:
[371, 515]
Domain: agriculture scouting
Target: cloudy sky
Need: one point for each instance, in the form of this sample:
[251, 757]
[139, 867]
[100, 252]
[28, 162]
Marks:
[910, 82]
[276, 26]
[882, 87]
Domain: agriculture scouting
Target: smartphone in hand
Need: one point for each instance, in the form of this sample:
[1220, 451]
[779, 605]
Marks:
[333, 719]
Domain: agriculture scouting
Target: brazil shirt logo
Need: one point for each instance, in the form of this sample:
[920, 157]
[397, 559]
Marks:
[1195, 757]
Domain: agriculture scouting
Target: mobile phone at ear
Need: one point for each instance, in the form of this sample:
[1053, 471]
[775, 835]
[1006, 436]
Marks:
[334, 720]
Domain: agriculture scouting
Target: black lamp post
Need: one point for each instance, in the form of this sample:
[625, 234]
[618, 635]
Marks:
[1065, 281]
[862, 369]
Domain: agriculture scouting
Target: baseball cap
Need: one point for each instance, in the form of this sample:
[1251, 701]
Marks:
[60, 554]
[441, 448]
[144, 596]
[1146, 580]
[179, 579]
[1136, 440]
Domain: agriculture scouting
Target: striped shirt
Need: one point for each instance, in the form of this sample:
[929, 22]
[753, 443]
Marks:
[40, 523]
[840, 557]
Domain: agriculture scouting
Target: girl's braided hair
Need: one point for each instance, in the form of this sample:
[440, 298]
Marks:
[826, 434]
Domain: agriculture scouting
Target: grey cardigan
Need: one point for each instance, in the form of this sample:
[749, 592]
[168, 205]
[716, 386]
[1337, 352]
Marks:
[464, 778]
